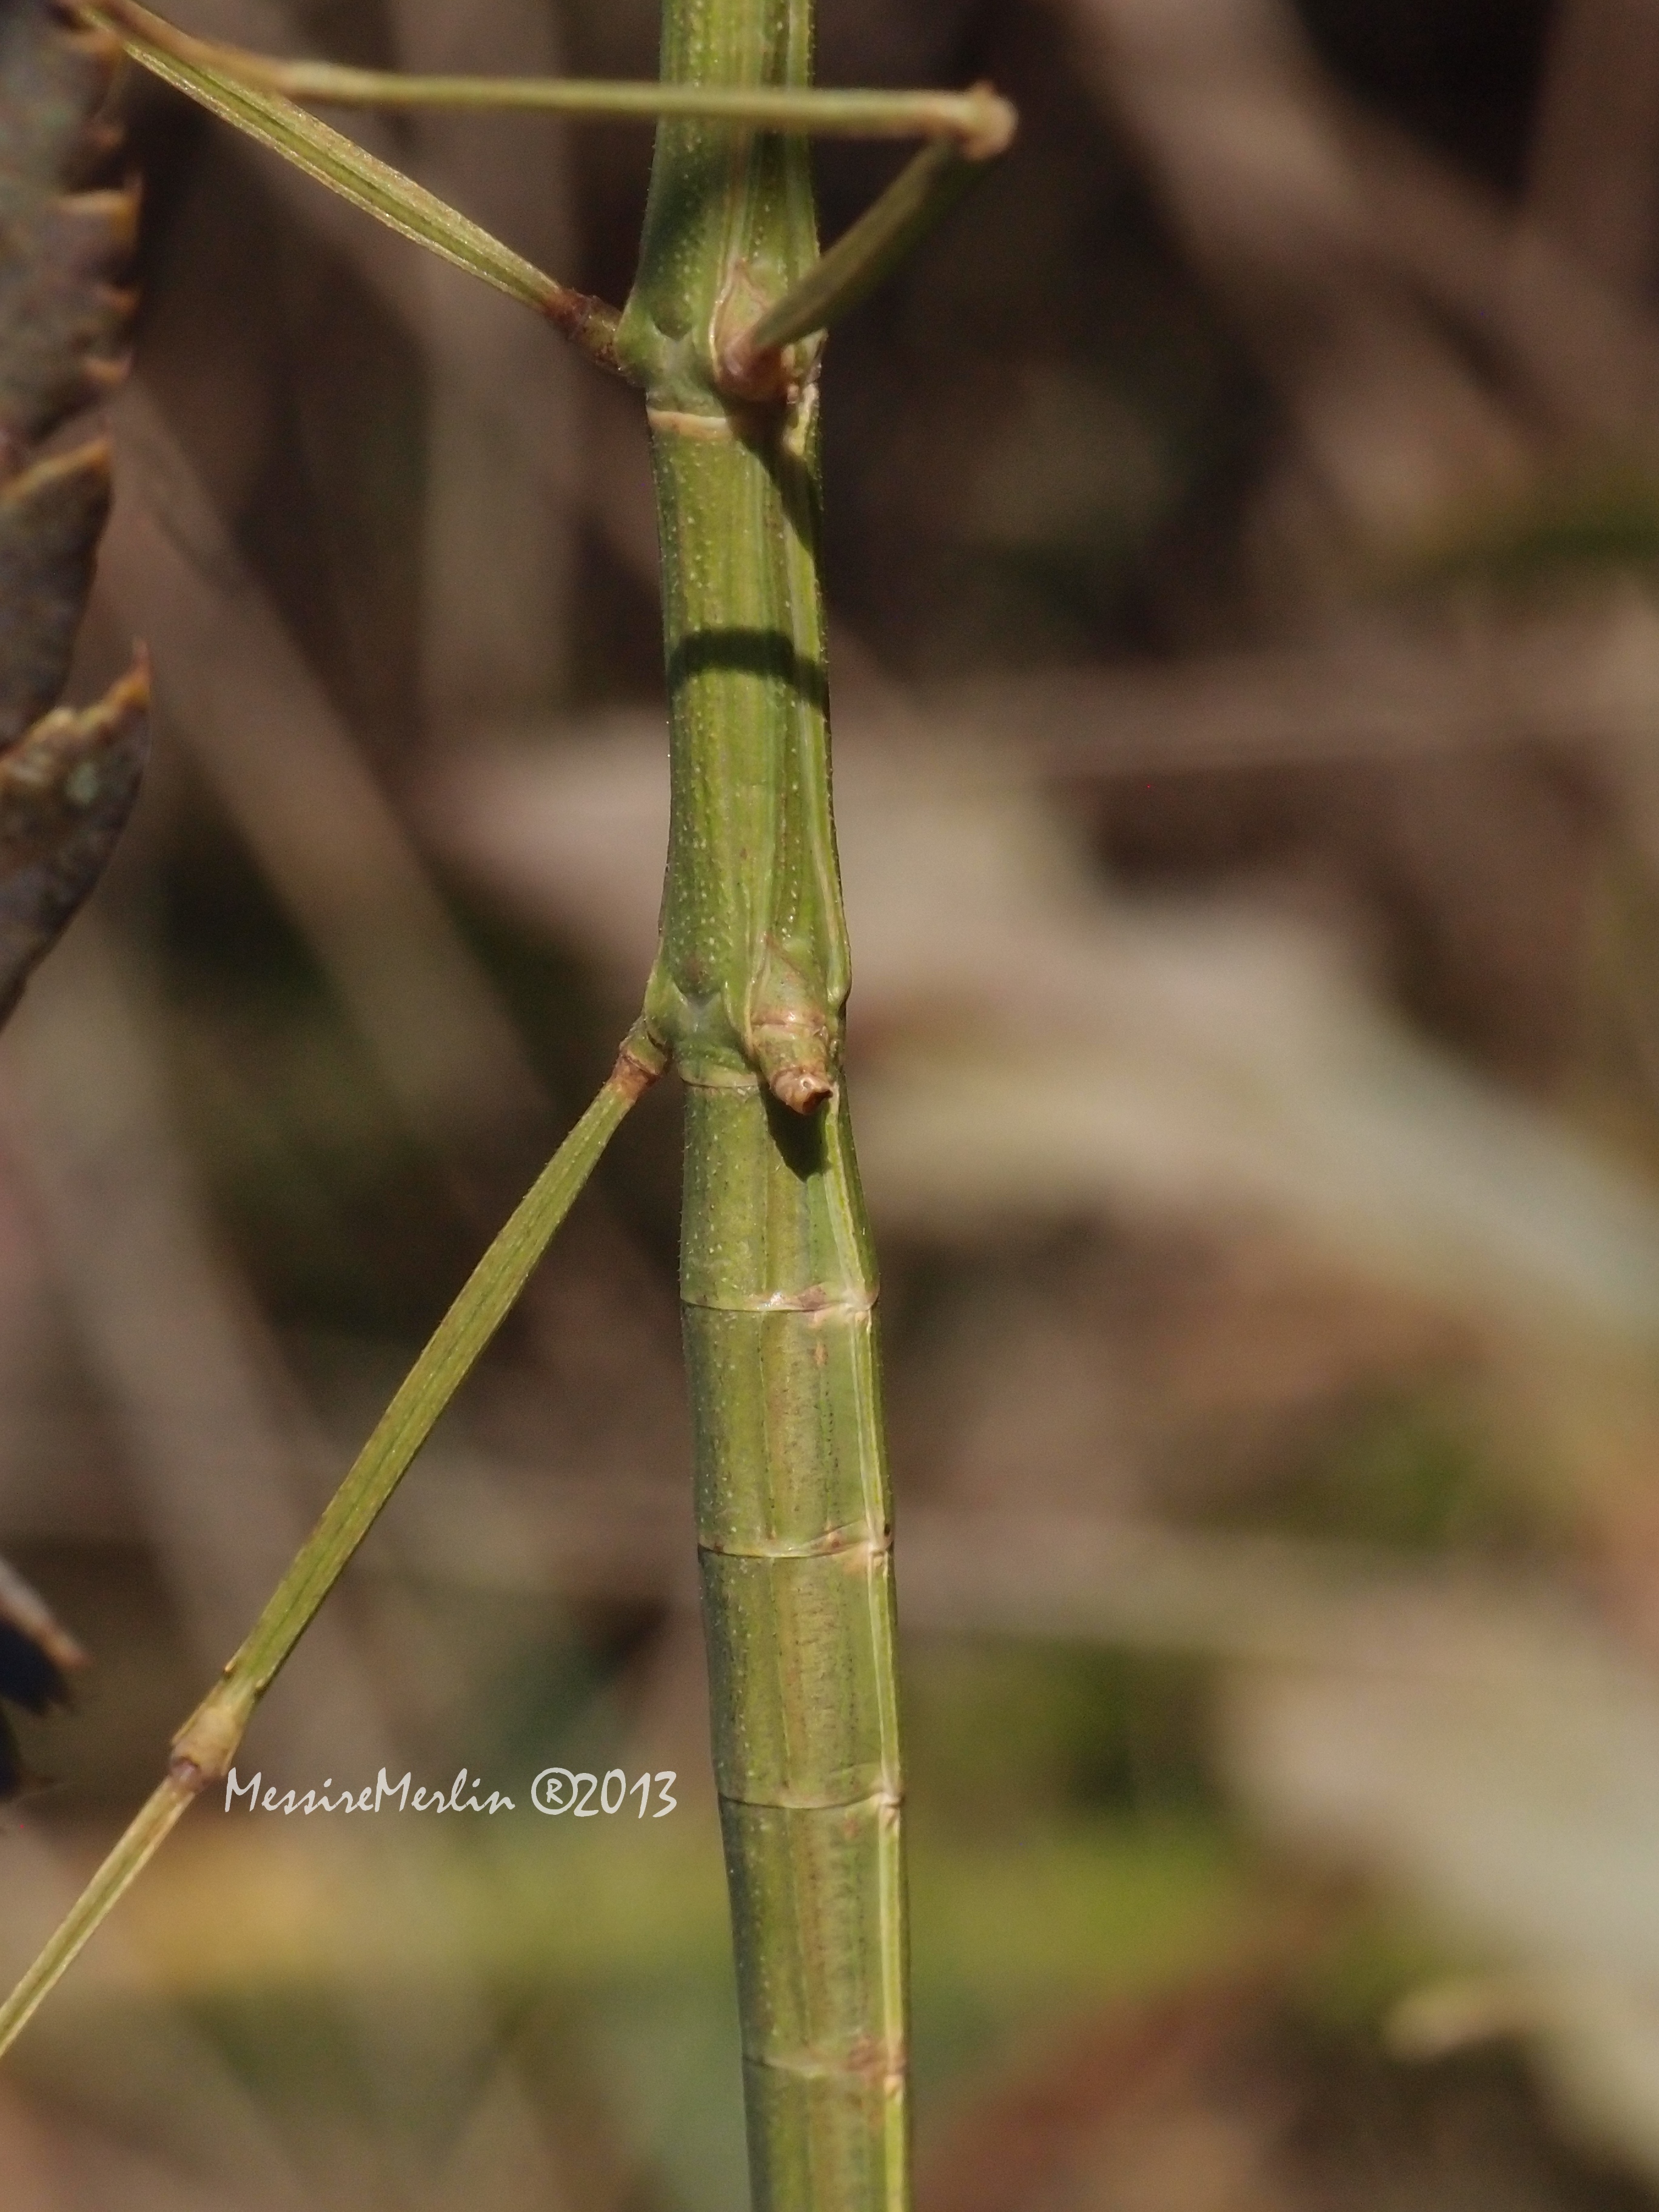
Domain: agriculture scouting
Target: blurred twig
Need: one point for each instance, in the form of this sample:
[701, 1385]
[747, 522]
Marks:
[1595, 180]
[214, 1448]
[1367, 272]
[1584, 678]
[23, 1608]
[1230, 115]
[499, 549]
[989, 1569]
[1579, 684]
[297, 788]
[539, 439]
[1584, 361]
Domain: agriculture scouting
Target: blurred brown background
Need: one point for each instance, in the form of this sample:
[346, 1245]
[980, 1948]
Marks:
[1243, 527]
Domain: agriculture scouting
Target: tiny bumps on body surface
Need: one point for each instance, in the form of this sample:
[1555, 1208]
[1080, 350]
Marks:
[777, 1276]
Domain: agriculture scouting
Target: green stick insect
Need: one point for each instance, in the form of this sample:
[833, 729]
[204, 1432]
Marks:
[723, 334]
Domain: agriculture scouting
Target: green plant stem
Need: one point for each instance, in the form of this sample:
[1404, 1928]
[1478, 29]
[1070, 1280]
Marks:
[342, 166]
[976, 118]
[778, 1284]
[204, 1747]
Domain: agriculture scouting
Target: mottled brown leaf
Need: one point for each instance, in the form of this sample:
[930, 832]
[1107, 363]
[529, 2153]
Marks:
[65, 793]
[63, 322]
[50, 518]
[67, 776]
[66, 780]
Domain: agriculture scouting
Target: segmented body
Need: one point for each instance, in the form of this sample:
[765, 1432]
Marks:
[777, 1287]
[777, 1279]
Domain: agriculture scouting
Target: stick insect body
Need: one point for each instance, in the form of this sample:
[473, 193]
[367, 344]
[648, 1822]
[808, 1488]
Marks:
[723, 334]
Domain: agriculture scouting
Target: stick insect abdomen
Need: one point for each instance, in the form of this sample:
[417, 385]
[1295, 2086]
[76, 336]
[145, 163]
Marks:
[794, 1533]
[778, 1288]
